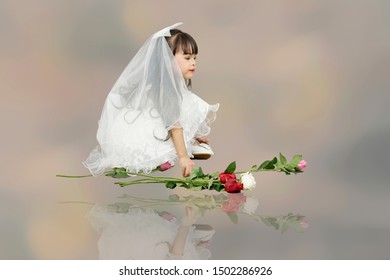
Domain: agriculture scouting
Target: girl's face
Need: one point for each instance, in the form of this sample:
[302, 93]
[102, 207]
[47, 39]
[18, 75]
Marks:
[187, 63]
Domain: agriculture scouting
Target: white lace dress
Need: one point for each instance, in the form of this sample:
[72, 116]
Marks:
[137, 141]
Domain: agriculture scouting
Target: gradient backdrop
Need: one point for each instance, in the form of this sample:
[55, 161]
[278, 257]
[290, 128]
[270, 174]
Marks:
[297, 77]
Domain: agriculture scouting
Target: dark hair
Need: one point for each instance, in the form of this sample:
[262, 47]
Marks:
[180, 40]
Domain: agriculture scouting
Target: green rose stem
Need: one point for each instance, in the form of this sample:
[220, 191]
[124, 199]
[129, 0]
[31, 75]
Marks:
[79, 176]
[74, 176]
[161, 179]
[253, 171]
[128, 173]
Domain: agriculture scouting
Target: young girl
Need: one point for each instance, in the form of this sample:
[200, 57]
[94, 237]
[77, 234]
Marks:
[150, 117]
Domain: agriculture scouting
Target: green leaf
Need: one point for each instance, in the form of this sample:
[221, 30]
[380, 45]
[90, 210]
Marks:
[121, 175]
[118, 172]
[170, 185]
[120, 169]
[268, 164]
[196, 172]
[263, 165]
[289, 167]
[200, 173]
[231, 167]
[283, 159]
[193, 173]
[279, 165]
[217, 187]
[233, 216]
[295, 160]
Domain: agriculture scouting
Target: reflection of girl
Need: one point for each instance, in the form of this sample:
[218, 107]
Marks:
[150, 117]
[142, 233]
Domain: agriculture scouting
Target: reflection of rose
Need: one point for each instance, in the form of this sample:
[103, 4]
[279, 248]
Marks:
[233, 202]
[302, 164]
[223, 177]
[304, 223]
[229, 207]
[248, 180]
[237, 198]
[232, 186]
[168, 216]
[250, 205]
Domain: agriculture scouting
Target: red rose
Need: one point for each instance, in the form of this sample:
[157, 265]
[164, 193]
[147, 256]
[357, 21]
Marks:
[232, 186]
[223, 177]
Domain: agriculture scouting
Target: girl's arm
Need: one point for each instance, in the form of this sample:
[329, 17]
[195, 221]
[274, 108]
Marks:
[181, 237]
[178, 141]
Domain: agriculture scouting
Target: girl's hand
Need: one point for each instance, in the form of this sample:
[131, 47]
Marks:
[187, 164]
[202, 139]
[190, 218]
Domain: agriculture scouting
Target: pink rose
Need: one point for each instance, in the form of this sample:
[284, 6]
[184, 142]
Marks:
[302, 164]
[165, 166]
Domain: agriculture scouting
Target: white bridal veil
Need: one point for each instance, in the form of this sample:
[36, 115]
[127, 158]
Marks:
[149, 98]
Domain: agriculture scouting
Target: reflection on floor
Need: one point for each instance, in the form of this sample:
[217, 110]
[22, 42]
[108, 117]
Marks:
[145, 228]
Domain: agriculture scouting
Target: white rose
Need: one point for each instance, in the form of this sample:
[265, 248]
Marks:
[248, 181]
[250, 205]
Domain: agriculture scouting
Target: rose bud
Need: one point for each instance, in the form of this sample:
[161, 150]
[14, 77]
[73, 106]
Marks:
[165, 166]
[302, 164]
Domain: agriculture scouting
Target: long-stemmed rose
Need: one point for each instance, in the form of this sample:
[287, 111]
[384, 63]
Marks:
[224, 181]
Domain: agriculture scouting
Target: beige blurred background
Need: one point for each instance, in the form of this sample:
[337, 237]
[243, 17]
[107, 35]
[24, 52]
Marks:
[297, 77]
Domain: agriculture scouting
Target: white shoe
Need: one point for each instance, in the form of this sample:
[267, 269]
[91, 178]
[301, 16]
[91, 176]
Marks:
[201, 151]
